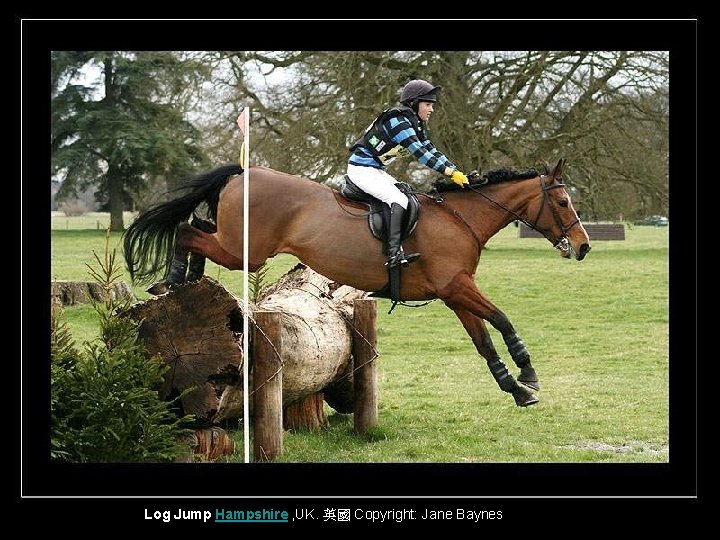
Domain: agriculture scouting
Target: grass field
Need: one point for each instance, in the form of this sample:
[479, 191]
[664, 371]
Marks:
[597, 332]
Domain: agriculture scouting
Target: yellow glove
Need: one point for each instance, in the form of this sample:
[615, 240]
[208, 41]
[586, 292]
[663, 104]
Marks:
[459, 178]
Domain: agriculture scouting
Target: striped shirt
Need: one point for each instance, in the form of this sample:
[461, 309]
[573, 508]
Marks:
[407, 141]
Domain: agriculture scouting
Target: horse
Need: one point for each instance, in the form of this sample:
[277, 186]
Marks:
[313, 222]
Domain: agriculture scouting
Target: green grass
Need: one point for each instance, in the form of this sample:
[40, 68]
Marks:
[597, 332]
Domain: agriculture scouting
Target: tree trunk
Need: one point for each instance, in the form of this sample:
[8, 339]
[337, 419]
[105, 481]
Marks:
[207, 445]
[115, 193]
[197, 329]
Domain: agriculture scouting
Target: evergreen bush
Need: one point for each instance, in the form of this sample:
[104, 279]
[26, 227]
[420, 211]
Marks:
[105, 406]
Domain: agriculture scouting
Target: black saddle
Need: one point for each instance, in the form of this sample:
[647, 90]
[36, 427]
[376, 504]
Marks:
[380, 212]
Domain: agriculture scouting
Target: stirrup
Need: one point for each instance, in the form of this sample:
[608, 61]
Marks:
[395, 260]
[402, 259]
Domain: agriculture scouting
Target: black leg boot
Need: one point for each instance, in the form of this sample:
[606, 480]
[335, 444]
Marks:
[396, 256]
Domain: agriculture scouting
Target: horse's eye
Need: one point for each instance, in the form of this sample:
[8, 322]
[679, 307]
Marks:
[563, 203]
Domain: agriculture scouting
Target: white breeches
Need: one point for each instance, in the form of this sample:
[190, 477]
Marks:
[378, 183]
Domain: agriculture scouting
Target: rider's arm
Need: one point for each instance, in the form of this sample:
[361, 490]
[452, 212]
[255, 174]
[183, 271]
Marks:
[401, 132]
[450, 167]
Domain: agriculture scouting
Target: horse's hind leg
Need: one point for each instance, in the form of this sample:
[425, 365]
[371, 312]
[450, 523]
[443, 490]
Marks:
[204, 244]
[196, 267]
[178, 267]
[199, 245]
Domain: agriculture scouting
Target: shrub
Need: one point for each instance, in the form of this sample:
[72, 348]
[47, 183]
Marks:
[73, 208]
[105, 406]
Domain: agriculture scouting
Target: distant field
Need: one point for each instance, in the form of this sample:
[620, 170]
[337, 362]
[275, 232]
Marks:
[597, 331]
[92, 221]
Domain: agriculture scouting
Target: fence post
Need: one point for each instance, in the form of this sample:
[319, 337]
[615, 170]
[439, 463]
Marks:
[267, 381]
[364, 355]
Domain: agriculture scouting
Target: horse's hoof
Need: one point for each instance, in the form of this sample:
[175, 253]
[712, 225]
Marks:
[524, 397]
[158, 288]
[535, 385]
[529, 378]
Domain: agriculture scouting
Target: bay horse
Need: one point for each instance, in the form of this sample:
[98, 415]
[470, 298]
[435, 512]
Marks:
[316, 224]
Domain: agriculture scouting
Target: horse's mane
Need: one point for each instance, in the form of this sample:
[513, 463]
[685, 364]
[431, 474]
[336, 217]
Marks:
[494, 176]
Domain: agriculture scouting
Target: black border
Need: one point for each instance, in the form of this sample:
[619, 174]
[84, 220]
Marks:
[678, 478]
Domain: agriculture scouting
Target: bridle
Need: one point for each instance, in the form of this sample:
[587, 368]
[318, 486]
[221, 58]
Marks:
[561, 242]
[546, 199]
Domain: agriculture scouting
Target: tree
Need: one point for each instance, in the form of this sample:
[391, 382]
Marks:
[117, 130]
[605, 111]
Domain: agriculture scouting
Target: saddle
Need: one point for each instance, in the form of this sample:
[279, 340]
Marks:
[379, 215]
[378, 221]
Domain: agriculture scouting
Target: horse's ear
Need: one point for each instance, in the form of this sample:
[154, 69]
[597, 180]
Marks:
[557, 171]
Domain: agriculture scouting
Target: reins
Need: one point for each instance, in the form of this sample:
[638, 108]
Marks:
[546, 201]
[439, 199]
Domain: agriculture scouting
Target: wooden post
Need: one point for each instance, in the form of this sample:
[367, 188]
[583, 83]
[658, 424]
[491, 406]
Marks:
[365, 374]
[267, 380]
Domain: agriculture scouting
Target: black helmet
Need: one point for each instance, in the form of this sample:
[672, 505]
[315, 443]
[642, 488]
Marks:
[418, 90]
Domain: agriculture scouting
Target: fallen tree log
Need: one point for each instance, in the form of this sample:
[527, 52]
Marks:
[197, 329]
[317, 339]
[69, 293]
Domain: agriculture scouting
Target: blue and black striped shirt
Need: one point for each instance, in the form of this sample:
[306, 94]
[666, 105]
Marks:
[407, 141]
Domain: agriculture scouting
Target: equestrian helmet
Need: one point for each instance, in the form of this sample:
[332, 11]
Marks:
[418, 90]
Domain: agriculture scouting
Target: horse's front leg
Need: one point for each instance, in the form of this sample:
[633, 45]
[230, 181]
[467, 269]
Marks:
[477, 331]
[468, 303]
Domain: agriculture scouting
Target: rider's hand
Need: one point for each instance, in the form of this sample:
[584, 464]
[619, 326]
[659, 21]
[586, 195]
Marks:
[459, 178]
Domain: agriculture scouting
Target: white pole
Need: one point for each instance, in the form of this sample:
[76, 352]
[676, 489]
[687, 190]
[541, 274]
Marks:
[244, 125]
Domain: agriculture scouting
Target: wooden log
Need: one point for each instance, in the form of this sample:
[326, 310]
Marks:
[267, 386]
[197, 329]
[70, 293]
[208, 445]
[365, 369]
[317, 337]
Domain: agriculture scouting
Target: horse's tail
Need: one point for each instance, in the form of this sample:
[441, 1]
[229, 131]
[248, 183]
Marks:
[149, 243]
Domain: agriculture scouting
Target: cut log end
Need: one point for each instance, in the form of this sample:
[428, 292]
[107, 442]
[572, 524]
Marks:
[208, 445]
[306, 414]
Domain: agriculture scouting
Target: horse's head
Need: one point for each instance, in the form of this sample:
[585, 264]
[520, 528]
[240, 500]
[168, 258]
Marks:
[556, 218]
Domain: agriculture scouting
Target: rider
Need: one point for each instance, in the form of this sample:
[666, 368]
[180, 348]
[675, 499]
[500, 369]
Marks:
[398, 132]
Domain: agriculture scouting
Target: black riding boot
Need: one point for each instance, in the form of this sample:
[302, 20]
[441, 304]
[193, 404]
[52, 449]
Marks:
[396, 255]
